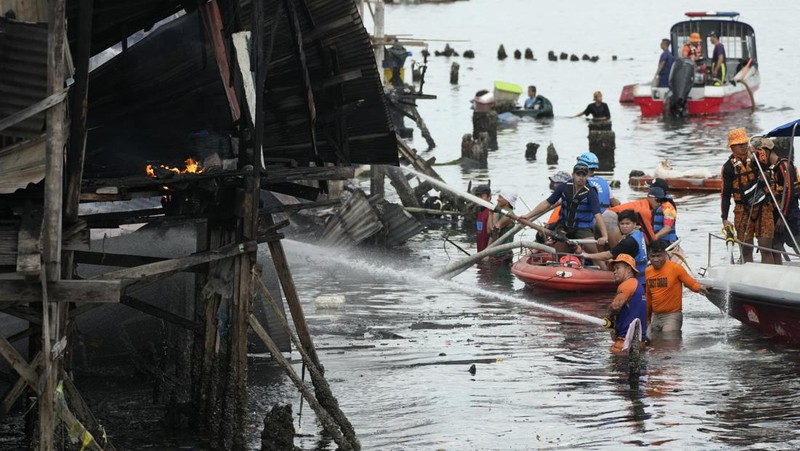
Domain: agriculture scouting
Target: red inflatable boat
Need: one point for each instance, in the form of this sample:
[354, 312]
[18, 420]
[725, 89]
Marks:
[542, 270]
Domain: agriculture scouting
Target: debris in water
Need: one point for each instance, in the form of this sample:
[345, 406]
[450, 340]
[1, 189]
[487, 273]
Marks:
[472, 369]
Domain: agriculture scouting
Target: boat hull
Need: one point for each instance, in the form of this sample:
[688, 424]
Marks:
[703, 100]
[542, 272]
[761, 296]
[680, 184]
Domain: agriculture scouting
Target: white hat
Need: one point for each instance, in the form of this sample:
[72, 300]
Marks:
[509, 196]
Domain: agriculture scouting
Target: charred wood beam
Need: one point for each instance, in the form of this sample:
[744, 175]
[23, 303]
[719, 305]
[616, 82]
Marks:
[121, 217]
[91, 291]
[167, 316]
[108, 259]
[17, 362]
[293, 189]
[25, 313]
[212, 21]
[83, 412]
[78, 108]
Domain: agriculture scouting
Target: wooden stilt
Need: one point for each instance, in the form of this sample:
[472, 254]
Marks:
[327, 422]
[324, 393]
[292, 299]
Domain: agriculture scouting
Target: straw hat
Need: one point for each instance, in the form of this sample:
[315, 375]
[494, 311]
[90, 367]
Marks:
[737, 136]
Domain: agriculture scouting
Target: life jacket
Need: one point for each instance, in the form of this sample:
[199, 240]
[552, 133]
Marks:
[658, 223]
[784, 168]
[694, 53]
[644, 216]
[603, 191]
[576, 213]
[641, 257]
[745, 179]
[636, 307]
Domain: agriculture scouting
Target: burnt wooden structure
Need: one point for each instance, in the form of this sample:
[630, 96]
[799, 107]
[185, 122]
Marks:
[273, 95]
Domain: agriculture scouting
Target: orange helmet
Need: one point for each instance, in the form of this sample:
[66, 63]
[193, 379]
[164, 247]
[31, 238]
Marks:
[628, 260]
[695, 37]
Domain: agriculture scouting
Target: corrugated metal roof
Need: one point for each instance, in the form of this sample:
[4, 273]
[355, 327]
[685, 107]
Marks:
[23, 74]
[399, 225]
[336, 47]
[354, 222]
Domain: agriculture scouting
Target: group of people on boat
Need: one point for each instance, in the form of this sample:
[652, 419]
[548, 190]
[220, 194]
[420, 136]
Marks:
[588, 221]
[765, 191]
[713, 73]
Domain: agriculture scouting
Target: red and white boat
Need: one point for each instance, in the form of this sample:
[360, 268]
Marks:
[691, 90]
[546, 271]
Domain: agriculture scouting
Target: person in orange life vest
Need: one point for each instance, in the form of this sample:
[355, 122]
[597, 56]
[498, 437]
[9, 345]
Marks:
[664, 282]
[752, 214]
[693, 49]
[580, 208]
[628, 304]
[632, 244]
[482, 219]
[782, 175]
[665, 215]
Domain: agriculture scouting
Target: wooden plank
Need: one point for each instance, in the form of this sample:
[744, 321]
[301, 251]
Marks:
[108, 259]
[49, 101]
[102, 291]
[8, 246]
[15, 391]
[29, 260]
[17, 362]
[158, 312]
[179, 264]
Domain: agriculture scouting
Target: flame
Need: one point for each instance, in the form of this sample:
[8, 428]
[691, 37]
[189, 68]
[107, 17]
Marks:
[192, 167]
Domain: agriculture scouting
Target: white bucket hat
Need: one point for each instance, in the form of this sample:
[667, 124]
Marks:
[509, 196]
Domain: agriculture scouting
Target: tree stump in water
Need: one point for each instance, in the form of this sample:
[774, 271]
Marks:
[485, 122]
[278, 433]
[602, 142]
[476, 149]
[454, 73]
[530, 151]
[501, 53]
[529, 54]
[552, 155]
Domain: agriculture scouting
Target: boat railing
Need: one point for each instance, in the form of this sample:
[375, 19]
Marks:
[754, 246]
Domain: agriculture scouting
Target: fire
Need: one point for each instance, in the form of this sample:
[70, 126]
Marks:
[192, 167]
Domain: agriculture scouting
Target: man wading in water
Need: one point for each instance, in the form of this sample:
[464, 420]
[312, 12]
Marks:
[628, 304]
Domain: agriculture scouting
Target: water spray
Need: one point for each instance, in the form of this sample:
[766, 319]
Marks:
[335, 256]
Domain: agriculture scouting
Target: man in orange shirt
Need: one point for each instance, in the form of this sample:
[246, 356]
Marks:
[664, 282]
[628, 304]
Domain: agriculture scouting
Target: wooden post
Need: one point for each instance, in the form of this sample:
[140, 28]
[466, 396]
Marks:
[292, 298]
[51, 239]
[378, 33]
[377, 180]
[78, 108]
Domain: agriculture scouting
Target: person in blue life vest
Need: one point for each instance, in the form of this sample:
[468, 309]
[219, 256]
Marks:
[632, 243]
[665, 215]
[482, 219]
[580, 208]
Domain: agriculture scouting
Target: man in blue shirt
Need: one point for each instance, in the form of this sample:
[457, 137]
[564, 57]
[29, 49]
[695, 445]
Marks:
[664, 64]
[580, 209]
[717, 58]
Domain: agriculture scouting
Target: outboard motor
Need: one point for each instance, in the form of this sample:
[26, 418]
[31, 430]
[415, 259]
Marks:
[681, 78]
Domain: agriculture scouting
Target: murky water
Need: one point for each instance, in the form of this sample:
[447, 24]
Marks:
[398, 353]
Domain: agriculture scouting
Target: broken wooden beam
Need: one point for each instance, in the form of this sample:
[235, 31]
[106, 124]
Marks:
[91, 291]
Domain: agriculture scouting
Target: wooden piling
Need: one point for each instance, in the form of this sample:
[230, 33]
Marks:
[454, 73]
[602, 142]
[485, 122]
